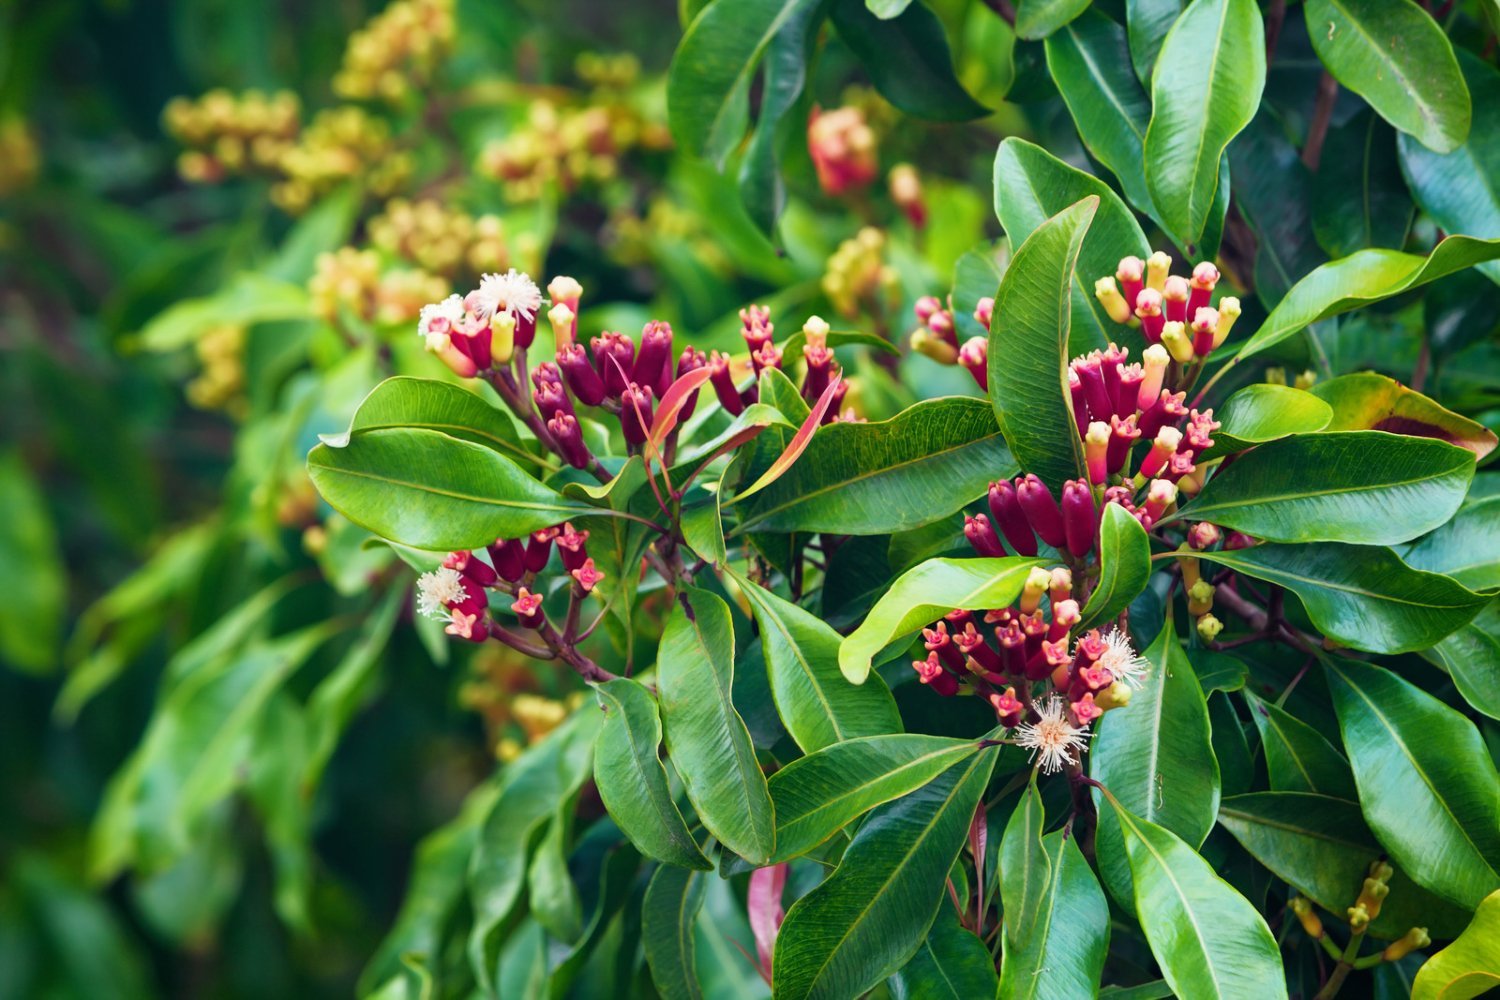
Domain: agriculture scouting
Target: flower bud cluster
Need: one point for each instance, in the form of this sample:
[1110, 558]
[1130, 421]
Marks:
[443, 241]
[843, 149]
[505, 691]
[937, 337]
[340, 144]
[857, 278]
[1170, 310]
[608, 72]
[19, 159]
[350, 281]
[228, 134]
[458, 591]
[220, 384]
[397, 52]
[905, 185]
[1042, 679]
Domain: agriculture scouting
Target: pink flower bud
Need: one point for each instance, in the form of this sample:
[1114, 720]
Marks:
[1168, 409]
[1085, 711]
[768, 355]
[1131, 377]
[1240, 540]
[942, 326]
[1160, 495]
[1175, 299]
[722, 379]
[1079, 521]
[931, 673]
[1148, 311]
[528, 608]
[614, 354]
[984, 312]
[550, 397]
[1131, 275]
[1006, 511]
[477, 571]
[939, 641]
[586, 385]
[653, 364]
[1162, 448]
[927, 307]
[971, 643]
[1061, 587]
[982, 536]
[457, 361]
[1205, 277]
[1205, 321]
[636, 413]
[757, 328]
[1089, 369]
[565, 291]
[1110, 361]
[974, 356]
[1095, 678]
[1096, 452]
[466, 626]
[1179, 465]
[539, 549]
[1008, 708]
[1041, 510]
[569, 437]
[1065, 614]
[1080, 404]
[1122, 434]
[572, 545]
[1203, 535]
[587, 575]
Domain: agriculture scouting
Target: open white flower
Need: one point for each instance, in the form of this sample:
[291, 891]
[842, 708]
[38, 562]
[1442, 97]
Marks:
[513, 292]
[440, 317]
[1052, 739]
[1120, 658]
[438, 589]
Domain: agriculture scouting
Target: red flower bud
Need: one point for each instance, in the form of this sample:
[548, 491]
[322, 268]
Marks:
[1095, 392]
[1131, 274]
[653, 364]
[768, 355]
[982, 536]
[586, 385]
[1205, 277]
[1080, 404]
[1008, 708]
[528, 608]
[1078, 515]
[938, 640]
[1041, 510]
[587, 575]
[552, 400]
[1148, 310]
[1085, 711]
[984, 312]
[1131, 377]
[757, 328]
[1205, 322]
[1123, 434]
[691, 360]
[722, 380]
[509, 558]
[539, 549]
[1175, 299]
[569, 437]
[927, 306]
[636, 413]
[931, 673]
[1007, 513]
[572, 545]
[477, 571]
[466, 625]
[614, 354]
[974, 356]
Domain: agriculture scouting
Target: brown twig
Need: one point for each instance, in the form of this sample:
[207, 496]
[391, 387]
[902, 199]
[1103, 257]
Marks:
[1317, 129]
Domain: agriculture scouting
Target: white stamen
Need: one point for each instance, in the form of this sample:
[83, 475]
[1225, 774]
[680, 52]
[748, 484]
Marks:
[450, 311]
[1120, 658]
[438, 589]
[513, 292]
[1052, 739]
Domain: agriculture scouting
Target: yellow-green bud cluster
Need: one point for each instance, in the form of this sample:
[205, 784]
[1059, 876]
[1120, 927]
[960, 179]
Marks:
[19, 160]
[858, 279]
[220, 384]
[230, 134]
[441, 240]
[340, 144]
[352, 282]
[397, 52]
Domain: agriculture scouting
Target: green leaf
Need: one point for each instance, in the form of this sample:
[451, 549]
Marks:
[1319, 845]
[1298, 758]
[1088, 59]
[438, 406]
[1361, 278]
[1427, 786]
[1361, 596]
[1156, 757]
[1347, 486]
[1470, 965]
[632, 781]
[1124, 567]
[1148, 22]
[1472, 657]
[1204, 91]
[869, 917]
[907, 59]
[952, 964]
[31, 572]
[887, 9]
[1264, 412]
[668, 913]
[247, 299]
[1371, 401]
[1394, 55]
[551, 895]
[1040, 18]
[708, 84]
[874, 478]
[924, 594]
[1467, 548]
[1056, 917]
[1028, 348]
[1359, 197]
[706, 738]
[1218, 671]
[1207, 938]
[818, 706]
[1030, 186]
[1458, 189]
[818, 795]
[786, 61]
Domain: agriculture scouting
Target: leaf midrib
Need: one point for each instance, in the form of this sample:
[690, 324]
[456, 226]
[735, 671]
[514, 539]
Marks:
[1341, 587]
[455, 495]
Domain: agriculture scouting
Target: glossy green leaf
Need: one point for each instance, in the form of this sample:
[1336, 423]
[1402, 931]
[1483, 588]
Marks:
[708, 85]
[438, 406]
[924, 594]
[786, 61]
[1458, 189]
[1031, 185]
[1056, 917]
[868, 918]
[247, 298]
[1371, 401]
[1347, 486]
[1298, 758]
[1148, 22]
[668, 913]
[1394, 55]
[632, 781]
[1231, 748]
[706, 738]
[952, 964]
[1361, 596]
[31, 572]
[1205, 89]
[1472, 658]
[1028, 347]
[887, 9]
[874, 478]
[1467, 548]
[431, 491]
[1359, 198]
[1040, 18]
[1319, 845]
[820, 794]
[817, 704]
[551, 896]
[908, 60]
[1156, 757]
[1124, 567]
[1218, 671]
[1264, 412]
[1208, 939]
[1427, 786]
[1470, 965]
[1361, 278]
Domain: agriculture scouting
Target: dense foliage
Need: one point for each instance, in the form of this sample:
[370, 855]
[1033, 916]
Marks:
[919, 499]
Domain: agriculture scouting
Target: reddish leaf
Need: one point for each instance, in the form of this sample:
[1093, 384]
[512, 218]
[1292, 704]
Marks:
[798, 444]
[763, 906]
[672, 401]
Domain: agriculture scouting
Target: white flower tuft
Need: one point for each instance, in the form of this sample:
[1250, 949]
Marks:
[513, 292]
[438, 317]
[1120, 658]
[438, 589]
[1052, 739]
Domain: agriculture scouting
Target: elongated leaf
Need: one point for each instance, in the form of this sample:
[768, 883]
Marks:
[1394, 55]
[1264, 412]
[1426, 784]
[1124, 566]
[432, 491]
[1472, 657]
[1148, 22]
[1319, 844]
[1207, 938]
[1467, 548]
[708, 85]
[870, 916]
[795, 447]
[1371, 401]
[818, 705]
[1360, 199]
[1298, 758]
[551, 895]
[632, 781]
[1458, 189]
[1156, 758]
[438, 406]
[31, 572]
[1361, 278]
[924, 594]
[1362, 596]
[706, 738]
[908, 60]
[952, 964]
[820, 794]
[761, 186]
[1031, 185]
[1204, 91]
[1056, 917]
[1040, 18]
[1347, 486]
[1470, 965]
[1028, 349]
[874, 478]
[668, 913]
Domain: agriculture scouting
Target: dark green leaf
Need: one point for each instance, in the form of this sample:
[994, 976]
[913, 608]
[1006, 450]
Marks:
[1148, 22]
[1472, 657]
[668, 913]
[786, 60]
[1264, 412]
[1371, 401]
[908, 60]
[1040, 18]
[31, 572]
[1467, 548]
[1298, 758]
[952, 964]
[1124, 566]
[1359, 197]
[1218, 671]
